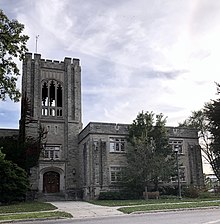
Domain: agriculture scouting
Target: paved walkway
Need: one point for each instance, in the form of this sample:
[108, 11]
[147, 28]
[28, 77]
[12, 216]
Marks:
[80, 209]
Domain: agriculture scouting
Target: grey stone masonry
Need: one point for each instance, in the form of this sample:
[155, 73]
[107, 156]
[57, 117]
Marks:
[104, 128]
[98, 159]
[175, 132]
[53, 90]
[8, 132]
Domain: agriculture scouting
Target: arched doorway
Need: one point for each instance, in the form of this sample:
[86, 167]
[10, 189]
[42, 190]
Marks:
[51, 182]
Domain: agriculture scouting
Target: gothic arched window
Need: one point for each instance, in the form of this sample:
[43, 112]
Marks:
[52, 98]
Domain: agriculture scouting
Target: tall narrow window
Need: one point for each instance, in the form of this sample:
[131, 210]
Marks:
[59, 101]
[59, 96]
[45, 94]
[55, 129]
[52, 94]
[52, 99]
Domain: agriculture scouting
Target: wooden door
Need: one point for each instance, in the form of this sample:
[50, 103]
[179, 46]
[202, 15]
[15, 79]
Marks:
[51, 182]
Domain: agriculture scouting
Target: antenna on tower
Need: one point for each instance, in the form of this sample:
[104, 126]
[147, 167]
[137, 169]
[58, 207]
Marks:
[36, 43]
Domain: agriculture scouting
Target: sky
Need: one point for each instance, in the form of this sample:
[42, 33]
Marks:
[136, 55]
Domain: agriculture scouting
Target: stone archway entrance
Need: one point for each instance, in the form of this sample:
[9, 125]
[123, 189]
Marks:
[51, 182]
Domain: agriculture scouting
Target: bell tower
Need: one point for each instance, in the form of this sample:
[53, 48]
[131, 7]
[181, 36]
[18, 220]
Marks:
[53, 90]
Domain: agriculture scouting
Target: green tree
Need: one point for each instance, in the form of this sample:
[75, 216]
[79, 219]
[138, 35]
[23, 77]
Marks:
[24, 150]
[13, 181]
[207, 122]
[24, 154]
[12, 45]
[149, 156]
[213, 115]
[200, 121]
[30, 147]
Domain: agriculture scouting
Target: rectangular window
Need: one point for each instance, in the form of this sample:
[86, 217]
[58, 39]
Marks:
[177, 144]
[52, 152]
[117, 144]
[95, 146]
[116, 174]
[182, 173]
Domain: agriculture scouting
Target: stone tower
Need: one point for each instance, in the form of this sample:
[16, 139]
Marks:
[53, 90]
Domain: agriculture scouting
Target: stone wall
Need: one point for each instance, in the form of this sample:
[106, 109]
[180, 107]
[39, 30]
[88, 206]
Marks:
[61, 130]
[175, 132]
[97, 159]
[8, 132]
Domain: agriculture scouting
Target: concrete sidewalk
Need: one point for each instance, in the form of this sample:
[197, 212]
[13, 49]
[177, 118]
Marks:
[80, 209]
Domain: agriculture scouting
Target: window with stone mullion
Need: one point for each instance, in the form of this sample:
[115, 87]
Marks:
[52, 98]
[116, 174]
[117, 144]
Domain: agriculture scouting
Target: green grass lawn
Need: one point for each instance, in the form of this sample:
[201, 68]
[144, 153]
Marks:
[30, 210]
[35, 215]
[165, 206]
[129, 206]
[26, 207]
[144, 202]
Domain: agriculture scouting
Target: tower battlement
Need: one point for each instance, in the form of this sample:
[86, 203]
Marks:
[52, 64]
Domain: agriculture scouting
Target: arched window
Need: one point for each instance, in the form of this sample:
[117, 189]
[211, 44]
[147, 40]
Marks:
[52, 98]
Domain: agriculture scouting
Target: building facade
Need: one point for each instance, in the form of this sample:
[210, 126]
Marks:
[53, 89]
[102, 149]
[81, 163]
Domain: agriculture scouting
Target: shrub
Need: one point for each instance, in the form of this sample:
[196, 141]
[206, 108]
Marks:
[191, 192]
[168, 190]
[217, 190]
[118, 195]
[13, 181]
[205, 194]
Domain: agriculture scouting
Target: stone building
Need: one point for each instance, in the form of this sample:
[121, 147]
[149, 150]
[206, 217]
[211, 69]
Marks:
[102, 149]
[54, 91]
[80, 163]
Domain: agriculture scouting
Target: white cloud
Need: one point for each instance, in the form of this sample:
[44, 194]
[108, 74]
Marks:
[160, 56]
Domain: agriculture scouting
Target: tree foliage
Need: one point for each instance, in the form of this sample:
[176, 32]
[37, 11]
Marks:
[149, 156]
[13, 181]
[207, 122]
[213, 115]
[12, 45]
[199, 120]
[24, 150]
[24, 154]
